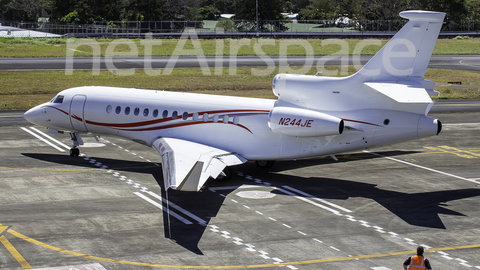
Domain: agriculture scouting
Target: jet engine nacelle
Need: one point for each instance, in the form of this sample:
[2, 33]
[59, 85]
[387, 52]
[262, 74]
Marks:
[303, 122]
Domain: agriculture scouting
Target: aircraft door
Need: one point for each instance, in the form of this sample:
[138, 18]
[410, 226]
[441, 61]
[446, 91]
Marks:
[76, 113]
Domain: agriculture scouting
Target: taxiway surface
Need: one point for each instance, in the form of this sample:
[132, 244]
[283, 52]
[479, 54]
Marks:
[455, 62]
[369, 210]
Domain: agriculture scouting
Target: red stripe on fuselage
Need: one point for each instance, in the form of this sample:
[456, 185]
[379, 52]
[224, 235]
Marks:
[158, 121]
[182, 125]
[48, 106]
[361, 122]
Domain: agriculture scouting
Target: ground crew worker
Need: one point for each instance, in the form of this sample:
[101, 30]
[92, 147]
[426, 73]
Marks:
[417, 262]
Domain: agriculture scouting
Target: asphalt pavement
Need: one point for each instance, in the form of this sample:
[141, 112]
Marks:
[456, 62]
[368, 210]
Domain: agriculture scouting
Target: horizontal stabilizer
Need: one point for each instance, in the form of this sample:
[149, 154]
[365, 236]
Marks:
[412, 93]
[408, 92]
[188, 165]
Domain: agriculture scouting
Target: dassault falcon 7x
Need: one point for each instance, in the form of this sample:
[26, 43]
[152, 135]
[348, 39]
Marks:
[198, 136]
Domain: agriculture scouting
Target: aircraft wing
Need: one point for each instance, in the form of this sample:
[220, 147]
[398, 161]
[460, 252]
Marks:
[188, 165]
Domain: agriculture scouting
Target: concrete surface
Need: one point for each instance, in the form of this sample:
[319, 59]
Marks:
[369, 210]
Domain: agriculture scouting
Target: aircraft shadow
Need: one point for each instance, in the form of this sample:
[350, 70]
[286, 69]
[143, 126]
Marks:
[417, 209]
[289, 165]
[201, 204]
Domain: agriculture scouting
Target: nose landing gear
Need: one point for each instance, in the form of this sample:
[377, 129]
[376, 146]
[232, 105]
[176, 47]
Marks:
[77, 140]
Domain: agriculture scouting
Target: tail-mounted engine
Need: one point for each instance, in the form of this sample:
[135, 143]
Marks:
[303, 122]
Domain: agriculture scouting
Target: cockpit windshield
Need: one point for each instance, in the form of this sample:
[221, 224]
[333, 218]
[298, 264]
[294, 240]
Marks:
[57, 99]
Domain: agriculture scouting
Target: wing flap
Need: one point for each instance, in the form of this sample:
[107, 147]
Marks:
[188, 165]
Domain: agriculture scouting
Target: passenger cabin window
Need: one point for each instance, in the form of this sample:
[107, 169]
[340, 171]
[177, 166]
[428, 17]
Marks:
[165, 114]
[155, 113]
[118, 110]
[136, 111]
[127, 110]
[185, 116]
[174, 114]
[145, 112]
[58, 99]
[109, 108]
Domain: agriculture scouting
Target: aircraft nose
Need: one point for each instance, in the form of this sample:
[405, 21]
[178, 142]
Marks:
[34, 115]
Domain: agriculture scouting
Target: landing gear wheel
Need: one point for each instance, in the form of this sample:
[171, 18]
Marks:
[264, 164]
[74, 152]
[226, 174]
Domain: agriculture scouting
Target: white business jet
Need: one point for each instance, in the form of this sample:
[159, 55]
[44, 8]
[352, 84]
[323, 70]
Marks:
[198, 136]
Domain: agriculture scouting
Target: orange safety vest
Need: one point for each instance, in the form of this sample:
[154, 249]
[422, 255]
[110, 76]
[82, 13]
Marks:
[417, 262]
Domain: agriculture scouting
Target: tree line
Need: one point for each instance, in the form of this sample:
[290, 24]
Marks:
[88, 11]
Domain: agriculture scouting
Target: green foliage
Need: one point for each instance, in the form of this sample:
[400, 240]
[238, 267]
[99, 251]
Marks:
[227, 25]
[70, 17]
[223, 6]
[209, 13]
[319, 10]
[462, 37]
[267, 11]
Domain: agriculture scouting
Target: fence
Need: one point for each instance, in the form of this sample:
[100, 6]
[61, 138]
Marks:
[238, 28]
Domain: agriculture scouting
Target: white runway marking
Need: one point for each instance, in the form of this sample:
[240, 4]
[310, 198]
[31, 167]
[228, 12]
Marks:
[51, 138]
[42, 139]
[317, 199]
[188, 222]
[421, 167]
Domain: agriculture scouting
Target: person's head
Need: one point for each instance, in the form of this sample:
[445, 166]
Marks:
[420, 251]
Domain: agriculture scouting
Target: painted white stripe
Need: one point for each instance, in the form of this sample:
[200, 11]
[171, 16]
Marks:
[173, 214]
[51, 138]
[461, 124]
[425, 168]
[334, 248]
[318, 199]
[43, 139]
[185, 212]
[309, 201]
[235, 187]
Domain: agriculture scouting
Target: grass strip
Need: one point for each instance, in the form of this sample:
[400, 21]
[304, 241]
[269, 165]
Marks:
[57, 47]
[25, 89]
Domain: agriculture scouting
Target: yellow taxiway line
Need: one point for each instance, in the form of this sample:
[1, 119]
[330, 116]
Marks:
[12, 249]
[33, 241]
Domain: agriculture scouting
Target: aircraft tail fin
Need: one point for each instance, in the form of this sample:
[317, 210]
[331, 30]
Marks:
[407, 54]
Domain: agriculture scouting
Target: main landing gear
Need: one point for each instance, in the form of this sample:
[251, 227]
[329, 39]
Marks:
[264, 164]
[77, 140]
